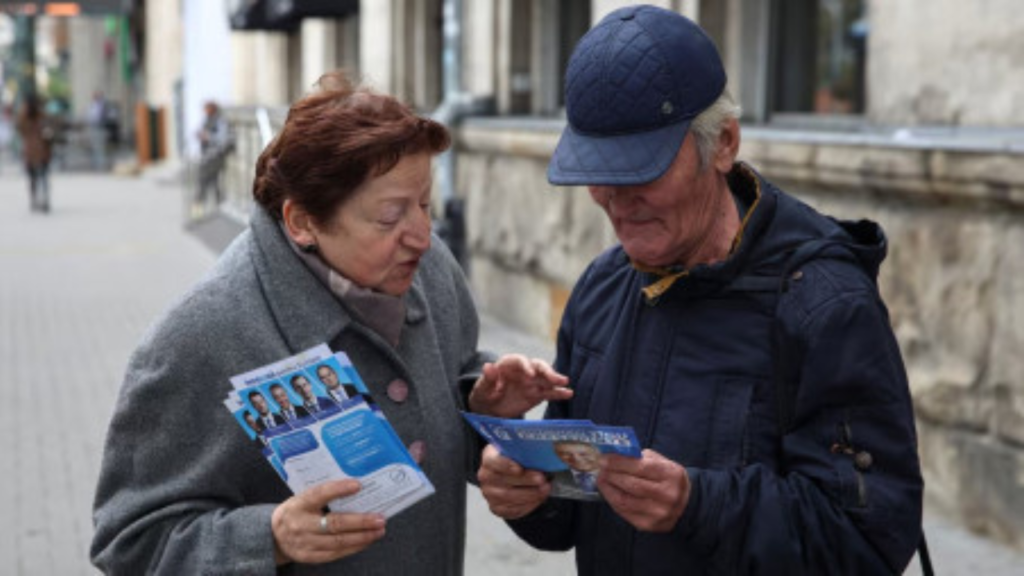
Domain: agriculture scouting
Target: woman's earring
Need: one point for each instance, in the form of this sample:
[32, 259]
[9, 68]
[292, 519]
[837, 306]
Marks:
[310, 248]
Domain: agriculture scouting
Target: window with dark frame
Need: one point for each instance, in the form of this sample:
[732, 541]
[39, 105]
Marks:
[574, 21]
[818, 57]
[541, 37]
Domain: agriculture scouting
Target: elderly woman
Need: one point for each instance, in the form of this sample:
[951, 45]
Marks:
[36, 132]
[339, 250]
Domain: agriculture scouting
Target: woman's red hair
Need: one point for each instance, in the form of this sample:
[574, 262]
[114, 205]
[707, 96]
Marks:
[334, 140]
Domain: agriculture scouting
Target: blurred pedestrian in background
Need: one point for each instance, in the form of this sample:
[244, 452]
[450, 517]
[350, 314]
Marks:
[96, 127]
[214, 144]
[6, 132]
[36, 145]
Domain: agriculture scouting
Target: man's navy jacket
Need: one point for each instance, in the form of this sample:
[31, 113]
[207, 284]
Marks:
[774, 378]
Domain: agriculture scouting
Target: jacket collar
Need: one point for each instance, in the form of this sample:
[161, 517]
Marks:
[761, 197]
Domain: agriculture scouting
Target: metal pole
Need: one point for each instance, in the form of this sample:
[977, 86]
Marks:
[25, 55]
[453, 106]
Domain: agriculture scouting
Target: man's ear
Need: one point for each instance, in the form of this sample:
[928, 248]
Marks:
[298, 223]
[728, 146]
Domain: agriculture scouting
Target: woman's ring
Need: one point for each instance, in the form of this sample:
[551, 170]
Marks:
[323, 525]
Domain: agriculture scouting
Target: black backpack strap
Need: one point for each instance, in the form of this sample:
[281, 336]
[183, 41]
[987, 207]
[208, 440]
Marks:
[787, 357]
[924, 557]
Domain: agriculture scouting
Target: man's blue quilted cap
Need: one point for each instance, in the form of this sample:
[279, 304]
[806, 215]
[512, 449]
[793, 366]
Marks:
[633, 84]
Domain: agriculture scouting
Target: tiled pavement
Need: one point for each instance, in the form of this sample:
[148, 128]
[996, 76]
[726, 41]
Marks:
[77, 289]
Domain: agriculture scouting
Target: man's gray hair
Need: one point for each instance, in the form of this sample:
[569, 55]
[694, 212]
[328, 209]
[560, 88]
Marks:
[707, 126]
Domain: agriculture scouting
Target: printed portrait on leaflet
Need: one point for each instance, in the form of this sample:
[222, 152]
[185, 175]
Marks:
[580, 478]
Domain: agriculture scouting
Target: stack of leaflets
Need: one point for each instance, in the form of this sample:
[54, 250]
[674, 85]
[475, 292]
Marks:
[566, 449]
[312, 417]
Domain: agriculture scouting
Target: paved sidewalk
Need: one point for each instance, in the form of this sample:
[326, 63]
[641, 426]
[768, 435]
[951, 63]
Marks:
[78, 288]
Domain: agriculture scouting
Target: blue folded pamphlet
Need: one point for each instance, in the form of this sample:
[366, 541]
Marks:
[568, 450]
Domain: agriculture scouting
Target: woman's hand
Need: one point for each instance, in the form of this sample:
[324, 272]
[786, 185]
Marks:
[514, 384]
[299, 537]
[511, 491]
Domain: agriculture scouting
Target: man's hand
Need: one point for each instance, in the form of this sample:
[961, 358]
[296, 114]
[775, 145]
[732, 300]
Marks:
[650, 493]
[514, 384]
[510, 490]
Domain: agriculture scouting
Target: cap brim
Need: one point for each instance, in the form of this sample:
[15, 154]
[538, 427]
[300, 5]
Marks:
[619, 160]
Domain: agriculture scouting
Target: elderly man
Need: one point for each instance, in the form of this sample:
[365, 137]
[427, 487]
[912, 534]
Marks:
[738, 331]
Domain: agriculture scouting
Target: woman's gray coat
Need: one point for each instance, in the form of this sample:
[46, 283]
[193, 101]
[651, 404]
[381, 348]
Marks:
[182, 489]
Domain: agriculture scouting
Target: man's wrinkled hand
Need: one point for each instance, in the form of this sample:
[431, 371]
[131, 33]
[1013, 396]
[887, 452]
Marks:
[651, 492]
[511, 491]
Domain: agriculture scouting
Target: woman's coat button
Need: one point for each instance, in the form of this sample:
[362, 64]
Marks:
[418, 451]
[398, 391]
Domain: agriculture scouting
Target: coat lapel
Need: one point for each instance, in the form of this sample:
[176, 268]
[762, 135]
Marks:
[305, 311]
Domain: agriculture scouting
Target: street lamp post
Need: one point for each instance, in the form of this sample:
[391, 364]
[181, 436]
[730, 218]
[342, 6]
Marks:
[24, 54]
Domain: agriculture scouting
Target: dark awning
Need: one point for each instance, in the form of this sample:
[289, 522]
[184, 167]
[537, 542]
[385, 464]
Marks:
[250, 15]
[295, 10]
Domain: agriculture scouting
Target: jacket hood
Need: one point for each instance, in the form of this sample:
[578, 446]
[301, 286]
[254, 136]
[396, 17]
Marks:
[784, 230]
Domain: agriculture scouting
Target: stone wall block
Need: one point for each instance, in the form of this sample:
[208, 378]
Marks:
[583, 233]
[496, 205]
[755, 150]
[992, 496]
[891, 162]
[986, 167]
[524, 223]
[940, 279]
[841, 158]
[941, 466]
[974, 478]
[790, 153]
[945, 62]
[780, 174]
[517, 299]
[474, 187]
[1006, 363]
[537, 144]
[889, 185]
[994, 178]
[841, 180]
